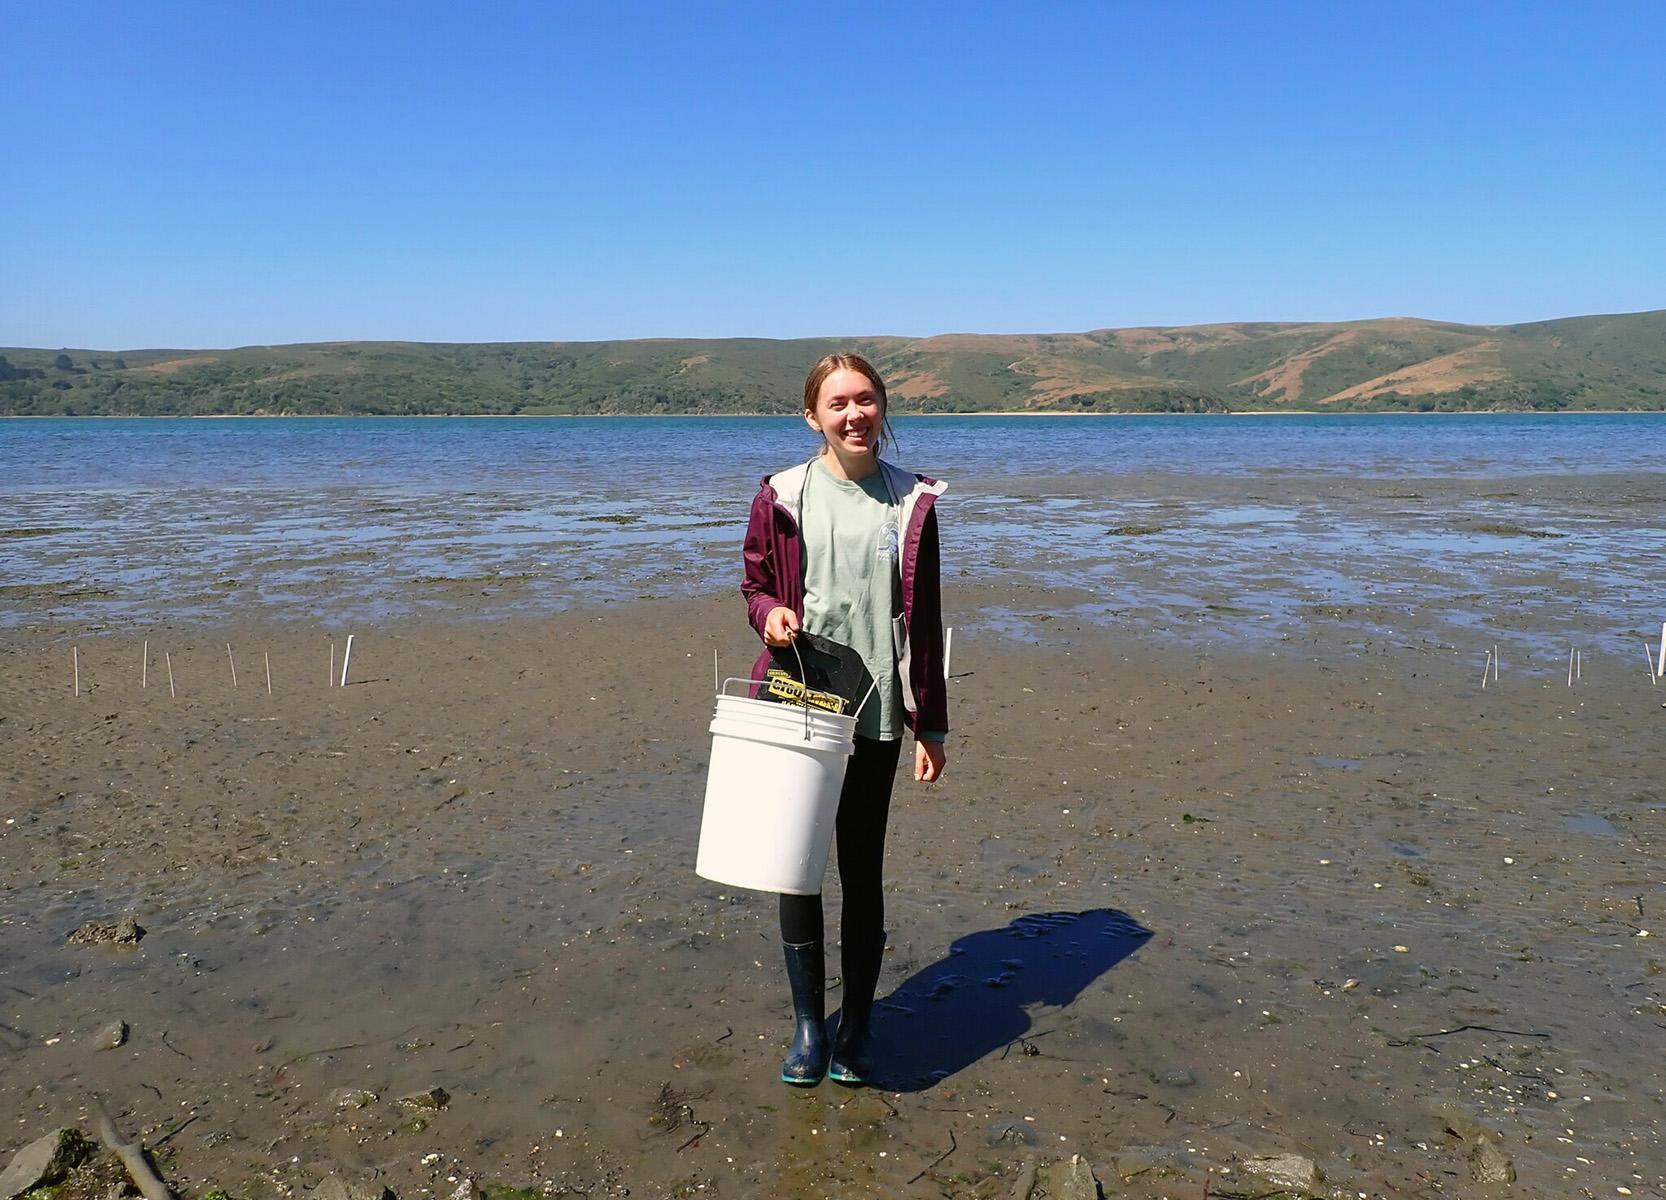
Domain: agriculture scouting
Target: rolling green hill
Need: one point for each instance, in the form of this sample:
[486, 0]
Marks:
[1399, 363]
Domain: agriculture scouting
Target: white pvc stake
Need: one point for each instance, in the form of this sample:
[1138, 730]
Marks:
[346, 655]
[1495, 658]
[948, 652]
[1579, 665]
[1660, 659]
[268, 673]
[1570, 666]
[1649, 654]
[144, 666]
[717, 684]
[1486, 669]
[330, 679]
[233, 663]
[75, 657]
[170, 658]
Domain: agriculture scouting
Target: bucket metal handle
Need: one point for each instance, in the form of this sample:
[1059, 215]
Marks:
[804, 681]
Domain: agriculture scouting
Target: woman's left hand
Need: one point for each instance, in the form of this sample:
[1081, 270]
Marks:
[928, 761]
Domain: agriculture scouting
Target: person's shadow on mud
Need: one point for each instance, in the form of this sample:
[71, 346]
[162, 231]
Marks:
[974, 1000]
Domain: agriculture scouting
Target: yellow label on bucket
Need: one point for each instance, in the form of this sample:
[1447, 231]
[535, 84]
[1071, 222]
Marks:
[783, 687]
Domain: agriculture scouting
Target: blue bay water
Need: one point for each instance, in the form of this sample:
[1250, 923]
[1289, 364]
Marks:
[692, 453]
[1462, 521]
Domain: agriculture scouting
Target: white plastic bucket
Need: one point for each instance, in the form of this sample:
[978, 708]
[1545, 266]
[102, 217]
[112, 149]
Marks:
[772, 794]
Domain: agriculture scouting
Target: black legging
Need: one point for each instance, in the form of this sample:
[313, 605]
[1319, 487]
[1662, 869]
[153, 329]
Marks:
[864, 806]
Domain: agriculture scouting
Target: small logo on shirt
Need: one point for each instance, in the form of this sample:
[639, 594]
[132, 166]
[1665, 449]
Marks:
[888, 542]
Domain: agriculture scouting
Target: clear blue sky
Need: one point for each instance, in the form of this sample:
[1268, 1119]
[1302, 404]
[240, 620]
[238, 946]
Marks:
[221, 174]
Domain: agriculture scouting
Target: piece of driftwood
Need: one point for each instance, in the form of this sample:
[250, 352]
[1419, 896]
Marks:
[132, 1157]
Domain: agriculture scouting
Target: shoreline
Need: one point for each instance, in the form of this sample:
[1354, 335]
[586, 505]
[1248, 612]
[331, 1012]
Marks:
[1247, 412]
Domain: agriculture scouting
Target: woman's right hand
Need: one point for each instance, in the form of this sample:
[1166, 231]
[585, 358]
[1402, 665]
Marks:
[780, 627]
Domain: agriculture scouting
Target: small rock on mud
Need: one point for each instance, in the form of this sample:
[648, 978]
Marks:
[1291, 1172]
[125, 932]
[46, 1160]
[435, 1097]
[111, 1036]
[1489, 1165]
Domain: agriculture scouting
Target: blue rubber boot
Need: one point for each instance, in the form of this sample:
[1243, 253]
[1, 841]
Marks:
[852, 1059]
[806, 1061]
[852, 1062]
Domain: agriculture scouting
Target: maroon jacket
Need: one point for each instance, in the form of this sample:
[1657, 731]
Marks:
[774, 554]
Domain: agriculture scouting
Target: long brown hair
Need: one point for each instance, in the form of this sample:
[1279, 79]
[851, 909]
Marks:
[851, 362]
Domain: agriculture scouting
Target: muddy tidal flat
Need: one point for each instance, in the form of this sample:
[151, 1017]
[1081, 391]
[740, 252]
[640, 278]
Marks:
[1181, 905]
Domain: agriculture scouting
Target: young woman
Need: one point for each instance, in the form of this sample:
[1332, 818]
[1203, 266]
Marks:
[845, 546]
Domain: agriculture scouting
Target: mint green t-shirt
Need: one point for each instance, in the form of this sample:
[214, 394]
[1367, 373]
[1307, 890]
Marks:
[852, 588]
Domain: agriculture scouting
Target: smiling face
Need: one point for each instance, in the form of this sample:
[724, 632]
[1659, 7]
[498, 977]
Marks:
[848, 412]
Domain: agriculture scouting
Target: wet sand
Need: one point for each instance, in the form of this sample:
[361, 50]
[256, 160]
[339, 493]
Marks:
[1266, 556]
[1173, 906]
